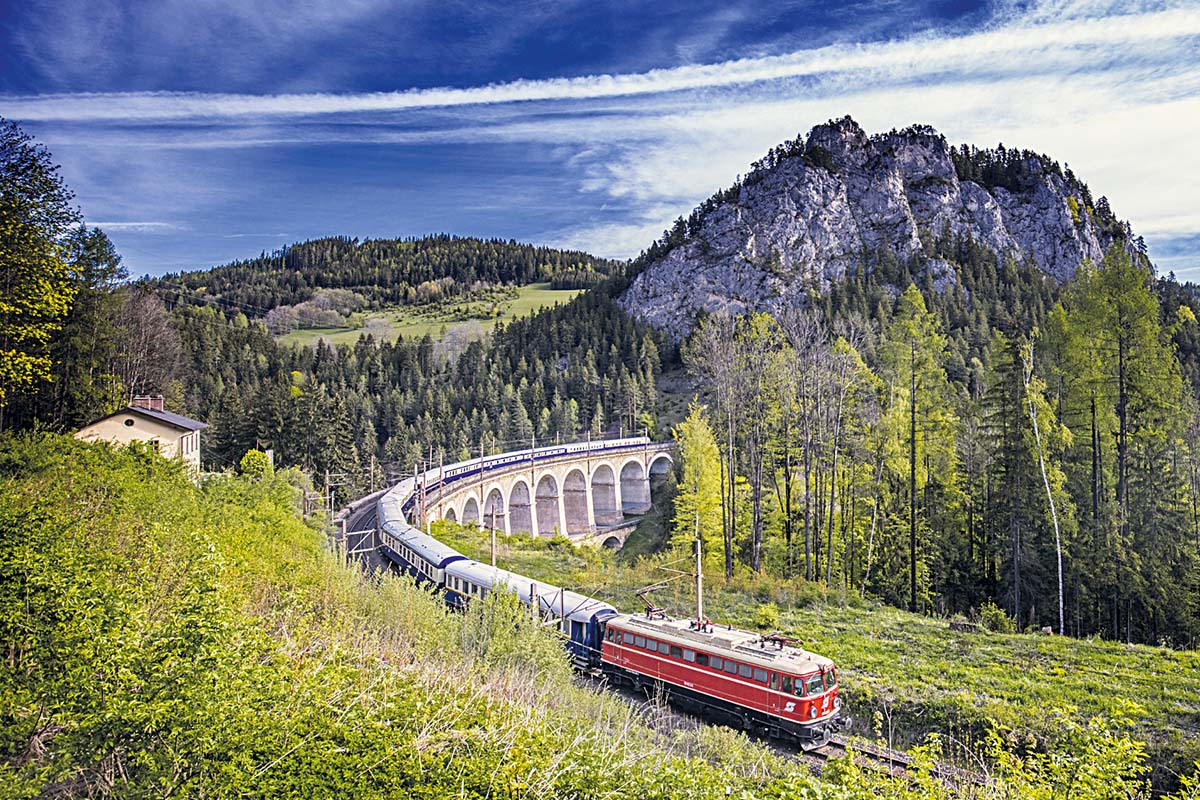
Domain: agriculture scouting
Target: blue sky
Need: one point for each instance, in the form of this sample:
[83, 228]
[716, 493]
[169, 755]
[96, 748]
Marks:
[200, 131]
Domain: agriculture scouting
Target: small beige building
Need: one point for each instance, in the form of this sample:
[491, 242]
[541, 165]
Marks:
[176, 436]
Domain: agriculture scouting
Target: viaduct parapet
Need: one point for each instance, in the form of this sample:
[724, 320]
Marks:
[582, 490]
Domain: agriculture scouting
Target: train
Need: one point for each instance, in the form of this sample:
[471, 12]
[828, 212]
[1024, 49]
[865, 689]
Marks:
[766, 685]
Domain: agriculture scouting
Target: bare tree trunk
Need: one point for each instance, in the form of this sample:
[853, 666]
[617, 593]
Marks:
[912, 482]
[1037, 435]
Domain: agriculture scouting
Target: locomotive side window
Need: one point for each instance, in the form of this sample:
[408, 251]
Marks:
[745, 670]
[775, 681]
[731, 667]
[664, 648]
[676, 652]
[638, 641]
[689, 655]
[831, 678]
[787, 684]
[716, 663]
[760, 675]
[701, 659]
[627, 637]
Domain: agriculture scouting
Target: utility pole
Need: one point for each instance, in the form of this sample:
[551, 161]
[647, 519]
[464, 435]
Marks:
[912, 481]
[699, 572]
[328, 497]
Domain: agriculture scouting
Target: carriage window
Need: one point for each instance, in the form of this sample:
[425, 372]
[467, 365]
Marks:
[639, 641]
[745, 670]
[664, 648]
[813, 684]
[689, 655]
[627, 637]
[701, 659]
[731, 667]
[760, 675]
[787, 684]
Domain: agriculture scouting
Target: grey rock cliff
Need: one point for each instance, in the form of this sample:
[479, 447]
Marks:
[839, 198]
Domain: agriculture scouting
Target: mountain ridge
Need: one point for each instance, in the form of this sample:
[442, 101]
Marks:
[818, 207]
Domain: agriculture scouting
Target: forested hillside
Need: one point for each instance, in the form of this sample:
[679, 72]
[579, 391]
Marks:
[383, 271]
[373, 410]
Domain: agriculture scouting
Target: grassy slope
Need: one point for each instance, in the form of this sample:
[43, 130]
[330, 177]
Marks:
[417, 321]
[916, 673]
[164, 640]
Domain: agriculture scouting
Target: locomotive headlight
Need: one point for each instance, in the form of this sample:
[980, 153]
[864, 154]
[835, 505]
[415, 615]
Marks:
[812, 712]
[837, 703]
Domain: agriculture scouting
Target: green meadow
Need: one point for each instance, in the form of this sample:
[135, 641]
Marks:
[473, 317]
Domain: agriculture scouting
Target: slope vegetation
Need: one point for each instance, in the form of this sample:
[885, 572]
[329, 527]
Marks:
[905, 675]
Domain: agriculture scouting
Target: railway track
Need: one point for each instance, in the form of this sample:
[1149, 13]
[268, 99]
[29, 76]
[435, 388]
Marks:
[894, 763]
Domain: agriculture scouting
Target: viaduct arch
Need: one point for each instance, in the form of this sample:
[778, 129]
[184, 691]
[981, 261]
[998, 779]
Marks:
[583, 491]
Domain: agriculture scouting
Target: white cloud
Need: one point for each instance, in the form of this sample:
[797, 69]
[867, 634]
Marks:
[136, 227]
[1111, 89]
[1003, 48]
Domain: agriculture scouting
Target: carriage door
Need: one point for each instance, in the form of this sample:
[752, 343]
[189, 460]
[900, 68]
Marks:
[578, 640]
[774, 701]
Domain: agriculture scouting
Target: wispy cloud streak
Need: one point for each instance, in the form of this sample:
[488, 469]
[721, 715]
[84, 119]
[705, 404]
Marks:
[923, 55]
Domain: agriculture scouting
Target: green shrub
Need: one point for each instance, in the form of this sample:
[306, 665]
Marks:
[994, 618]
[766, 617]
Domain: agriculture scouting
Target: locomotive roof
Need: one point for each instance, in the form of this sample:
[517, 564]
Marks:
[729, 642]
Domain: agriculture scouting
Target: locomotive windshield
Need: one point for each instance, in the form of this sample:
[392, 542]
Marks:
[813, 685]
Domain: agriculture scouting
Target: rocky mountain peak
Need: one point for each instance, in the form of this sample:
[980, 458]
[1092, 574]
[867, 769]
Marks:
[820, 205]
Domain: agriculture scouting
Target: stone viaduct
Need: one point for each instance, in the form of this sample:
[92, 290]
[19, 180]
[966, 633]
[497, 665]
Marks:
[583, 490]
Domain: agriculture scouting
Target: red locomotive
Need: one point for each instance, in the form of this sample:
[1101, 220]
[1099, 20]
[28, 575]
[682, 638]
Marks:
[760, 683]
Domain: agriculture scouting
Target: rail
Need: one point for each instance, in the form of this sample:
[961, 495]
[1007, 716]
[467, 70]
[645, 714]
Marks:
[435, 484]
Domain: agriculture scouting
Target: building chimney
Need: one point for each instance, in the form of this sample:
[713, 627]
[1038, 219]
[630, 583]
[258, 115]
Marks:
[149, 402]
